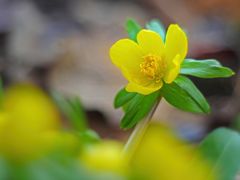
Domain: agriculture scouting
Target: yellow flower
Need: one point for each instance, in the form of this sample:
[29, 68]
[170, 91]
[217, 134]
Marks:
[104, 157]
[28, 121]
[162, 155]
[150, 62]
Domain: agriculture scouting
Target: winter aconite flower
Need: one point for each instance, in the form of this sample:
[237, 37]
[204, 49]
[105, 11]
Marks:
[29, 121]
[149, 63]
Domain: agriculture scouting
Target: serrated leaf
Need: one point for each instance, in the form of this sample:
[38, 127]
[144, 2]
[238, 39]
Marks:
[132, 27]
[210, 68]
[179, 98]
[123, 97]
[158, 27]
[138, 108]
[186, 84]
[221, 148]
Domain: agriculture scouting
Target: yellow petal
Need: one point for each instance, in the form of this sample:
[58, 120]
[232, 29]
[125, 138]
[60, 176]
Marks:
[176, 43]
[135, 76]
[132, 87]
[151, 42]
[126, 53]
[173, 70]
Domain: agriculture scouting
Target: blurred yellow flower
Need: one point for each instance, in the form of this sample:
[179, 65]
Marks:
[149, 62]
[105, 156]
[161, 155]
[27, 121]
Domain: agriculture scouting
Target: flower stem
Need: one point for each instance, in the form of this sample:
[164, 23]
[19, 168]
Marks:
[138, 132]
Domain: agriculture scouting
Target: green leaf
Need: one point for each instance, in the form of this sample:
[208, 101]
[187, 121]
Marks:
[180, 98]
[4, 169]
[138, 108]
[132, 27]
[73, 110]
[78, 110]
[187, 85]
[130, 109]
[51, 169]
[89, 136]
[221, 148]
[158, 27]
[123, 97]
[205, 69]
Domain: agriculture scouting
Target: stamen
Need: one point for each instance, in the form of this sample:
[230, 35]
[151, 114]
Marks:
[153, 67]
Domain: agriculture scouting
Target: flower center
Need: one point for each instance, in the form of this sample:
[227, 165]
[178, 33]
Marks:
[153, 67]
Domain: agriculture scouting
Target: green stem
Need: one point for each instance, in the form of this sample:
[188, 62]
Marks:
[138, 132]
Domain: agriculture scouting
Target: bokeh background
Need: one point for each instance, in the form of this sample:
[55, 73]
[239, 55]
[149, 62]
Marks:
[63, 45]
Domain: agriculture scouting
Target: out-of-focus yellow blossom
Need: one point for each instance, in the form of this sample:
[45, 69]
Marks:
[150, 61]
[27, 121]
[105, 156]
[161, 155]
